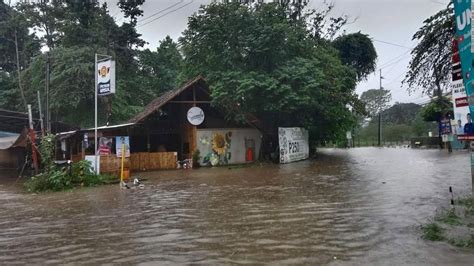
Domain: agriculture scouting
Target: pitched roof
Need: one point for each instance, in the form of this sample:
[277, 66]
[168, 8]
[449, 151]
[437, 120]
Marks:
[163, 99]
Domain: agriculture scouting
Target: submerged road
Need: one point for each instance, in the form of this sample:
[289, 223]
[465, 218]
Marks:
[359, 206]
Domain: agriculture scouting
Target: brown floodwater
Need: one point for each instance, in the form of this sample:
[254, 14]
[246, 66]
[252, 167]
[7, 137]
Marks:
[359, 206]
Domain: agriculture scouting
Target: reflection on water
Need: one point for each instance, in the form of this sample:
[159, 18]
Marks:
[347, 206]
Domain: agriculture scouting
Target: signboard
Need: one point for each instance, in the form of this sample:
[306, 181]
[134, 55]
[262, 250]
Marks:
[445, 138]
[105, 77]
[466, 137]
[294, 144]
[463, 41]
[348, 135]
[105, 146]
[445, 126]
[91, 159]
[195, 116]
[118, 146]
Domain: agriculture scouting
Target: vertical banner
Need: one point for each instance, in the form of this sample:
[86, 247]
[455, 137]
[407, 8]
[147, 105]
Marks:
[459, 96]
[105, 146]
[463, 38]
[118, 146]
[105, 77]
[294, 144]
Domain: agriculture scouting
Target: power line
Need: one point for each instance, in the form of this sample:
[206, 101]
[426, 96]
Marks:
[397, 59]
[161, 11]
[394, 44]
[167, 13]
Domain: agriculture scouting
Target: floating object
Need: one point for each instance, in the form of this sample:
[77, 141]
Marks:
[136, 182]
[124, 185]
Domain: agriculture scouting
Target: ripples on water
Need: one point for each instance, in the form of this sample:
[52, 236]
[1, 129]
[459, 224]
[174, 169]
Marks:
[354, 206]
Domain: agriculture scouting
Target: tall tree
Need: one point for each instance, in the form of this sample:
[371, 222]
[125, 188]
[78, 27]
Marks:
[46, 18]
[161, 68]
[430, 66]
[131, 9]
[17, 46]
[268, 63]
[357, 51]
[376, 101]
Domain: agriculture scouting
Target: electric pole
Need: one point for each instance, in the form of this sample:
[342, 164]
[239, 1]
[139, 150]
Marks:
[380, 114]
[48, 114]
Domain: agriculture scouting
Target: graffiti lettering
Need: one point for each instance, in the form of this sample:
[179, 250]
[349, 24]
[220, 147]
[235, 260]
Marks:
[293, 147]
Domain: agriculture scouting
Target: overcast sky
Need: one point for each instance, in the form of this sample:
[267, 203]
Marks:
[386, 21]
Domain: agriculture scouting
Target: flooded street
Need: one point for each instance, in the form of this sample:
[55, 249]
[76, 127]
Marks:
[345, 207]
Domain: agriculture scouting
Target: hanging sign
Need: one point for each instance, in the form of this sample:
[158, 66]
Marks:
[195, 116]
[105, 77]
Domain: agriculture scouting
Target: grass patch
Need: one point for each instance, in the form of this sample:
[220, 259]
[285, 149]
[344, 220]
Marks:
[468, 203]
[463, 243]
[448, 217]
[433, 232]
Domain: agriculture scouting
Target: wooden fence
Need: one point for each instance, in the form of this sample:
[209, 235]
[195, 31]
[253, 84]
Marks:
[140, 161]
[144, 161]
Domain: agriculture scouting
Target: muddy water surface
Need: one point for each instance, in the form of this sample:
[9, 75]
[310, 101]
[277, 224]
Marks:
[360, 206]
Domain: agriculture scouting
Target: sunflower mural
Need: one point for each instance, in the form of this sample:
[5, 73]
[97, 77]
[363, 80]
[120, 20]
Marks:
[220, 149]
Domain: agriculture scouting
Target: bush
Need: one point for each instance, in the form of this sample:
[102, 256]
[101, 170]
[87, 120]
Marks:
[196, 157]
[63, 178]
[54, 180]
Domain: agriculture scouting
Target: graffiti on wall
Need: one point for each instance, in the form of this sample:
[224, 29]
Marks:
[219, 145]
[293, 144]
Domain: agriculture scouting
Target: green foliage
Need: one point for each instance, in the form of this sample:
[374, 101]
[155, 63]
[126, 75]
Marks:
[400, 122]
[131, 9]
[430, 66]
[161, 69]
[436, 108]
[401, 113]
[376, 100]
[73, 83]
[46, 150]
[62, 178]
[432, 232]
[469, 243]
[450, 222]
[448, 217]
[267, 62]
[14, 36]
[196, 157]
[357, 51]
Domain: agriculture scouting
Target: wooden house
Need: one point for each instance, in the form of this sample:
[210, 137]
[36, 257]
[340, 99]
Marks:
[168, 131]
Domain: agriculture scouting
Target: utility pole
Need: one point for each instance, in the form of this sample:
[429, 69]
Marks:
[380, 114]
[48, 113]
[40, 113]
[20, 85]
